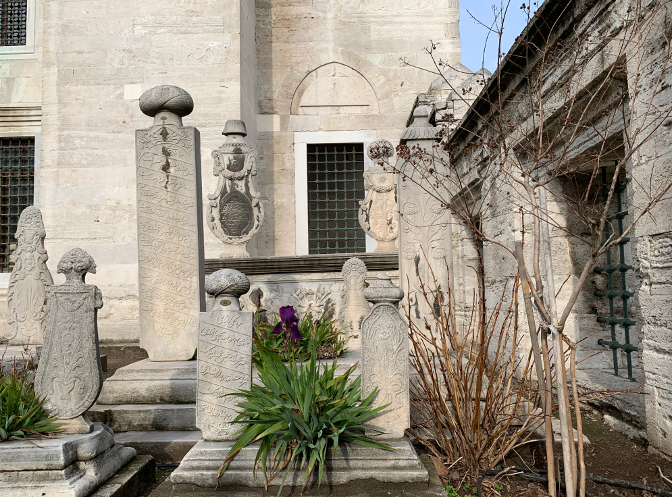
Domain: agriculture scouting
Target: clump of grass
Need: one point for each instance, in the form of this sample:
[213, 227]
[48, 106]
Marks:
[21, 412]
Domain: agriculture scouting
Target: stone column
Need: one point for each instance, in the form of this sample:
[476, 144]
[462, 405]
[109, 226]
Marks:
[378, 212]
[170, 227]
[224, 355]
[235, 213]
[425, 236]
[69, 376]
[385, 358]
[29, 282]
[354, 305]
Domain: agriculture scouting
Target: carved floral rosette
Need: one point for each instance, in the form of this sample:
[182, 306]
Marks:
[29, 281]
[234, 212]
[69, 375]
[378, 211]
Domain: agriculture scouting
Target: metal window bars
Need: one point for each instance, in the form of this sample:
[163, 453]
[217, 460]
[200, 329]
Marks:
[13, 22]
[335, 187]
[17, 183]
[611, 293]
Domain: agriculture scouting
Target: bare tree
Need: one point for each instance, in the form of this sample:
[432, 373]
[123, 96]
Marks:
[552, 138]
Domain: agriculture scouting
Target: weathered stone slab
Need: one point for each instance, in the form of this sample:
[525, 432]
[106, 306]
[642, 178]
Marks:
[224, 355]
[29, 281]
[76, 480]
[69, 376]
[350, 463]
[170, 227]
[354, 305]
[55, 453]
[385, 359]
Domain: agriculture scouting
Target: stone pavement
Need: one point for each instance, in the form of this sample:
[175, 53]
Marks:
[361, 488]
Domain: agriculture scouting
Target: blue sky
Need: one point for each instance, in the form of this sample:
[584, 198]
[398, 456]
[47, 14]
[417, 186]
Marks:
[473, 35]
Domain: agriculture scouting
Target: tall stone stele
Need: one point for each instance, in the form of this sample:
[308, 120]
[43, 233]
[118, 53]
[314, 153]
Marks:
[29, 282]
[224, 355]
[234, 212]
[385, 359]
[425, 234]
[69, 376]
[378, 212]
[170, 227]
[354, 306]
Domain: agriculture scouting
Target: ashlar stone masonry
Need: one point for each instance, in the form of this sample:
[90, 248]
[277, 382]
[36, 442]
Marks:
[224, 355]
[170, 227]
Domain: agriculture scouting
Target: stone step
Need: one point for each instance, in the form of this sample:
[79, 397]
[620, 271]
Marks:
[131, 481]
[146, 417]
[164, 446]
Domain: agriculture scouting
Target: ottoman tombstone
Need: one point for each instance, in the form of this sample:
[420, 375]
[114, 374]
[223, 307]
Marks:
[385, 358]
[224, 355]
[235, 213]
[170, 227]
[29, 281]
[69, 376]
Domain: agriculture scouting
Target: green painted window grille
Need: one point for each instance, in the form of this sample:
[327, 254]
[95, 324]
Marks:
[17, 182]
[335, 187]
[13, 20]
[612, 293]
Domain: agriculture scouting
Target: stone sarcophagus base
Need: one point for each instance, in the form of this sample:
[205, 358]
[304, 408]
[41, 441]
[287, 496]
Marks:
[72, 465]
[350, 463]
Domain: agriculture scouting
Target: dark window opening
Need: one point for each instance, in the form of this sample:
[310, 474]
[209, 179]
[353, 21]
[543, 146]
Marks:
[335, 187]
[13, 20]
[17, 182]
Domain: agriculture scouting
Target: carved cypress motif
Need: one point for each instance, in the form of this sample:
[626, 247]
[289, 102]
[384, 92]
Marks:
[69, 376]
[29, 281]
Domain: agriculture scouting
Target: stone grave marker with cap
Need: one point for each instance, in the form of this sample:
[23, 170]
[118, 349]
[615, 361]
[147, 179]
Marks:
[170, 227]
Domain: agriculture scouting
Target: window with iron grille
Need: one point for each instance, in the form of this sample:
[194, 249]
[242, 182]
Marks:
[13, 19]
[335, 187]
[17, 181]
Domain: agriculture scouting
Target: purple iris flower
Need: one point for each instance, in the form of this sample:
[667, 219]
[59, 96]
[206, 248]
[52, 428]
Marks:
[289, 323]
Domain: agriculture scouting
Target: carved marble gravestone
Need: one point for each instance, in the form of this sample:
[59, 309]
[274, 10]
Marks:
[235, 213]
[170, 227]
[378, 211]
[425, 237]
[224, 355]
[354, 305]
[385, 358]
[69, 376]
[29, 281]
